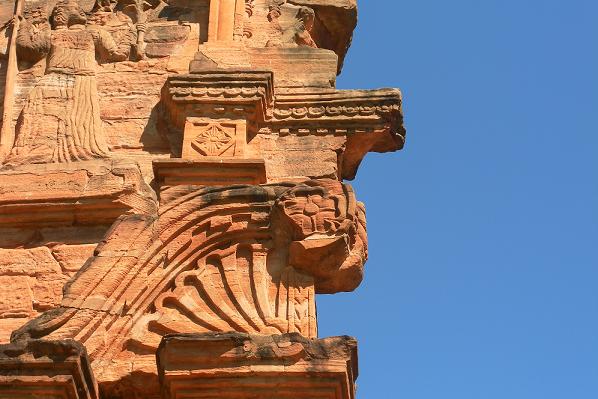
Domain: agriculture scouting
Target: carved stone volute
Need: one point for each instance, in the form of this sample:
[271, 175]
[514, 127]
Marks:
[327, 234]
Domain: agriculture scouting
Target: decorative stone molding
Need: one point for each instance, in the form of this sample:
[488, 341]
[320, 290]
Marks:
[82, 193]
[228, 365]
[46, 369]
[207, 172]
[370, 120]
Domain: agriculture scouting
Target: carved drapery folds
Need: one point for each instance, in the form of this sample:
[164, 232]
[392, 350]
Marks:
[60, 121]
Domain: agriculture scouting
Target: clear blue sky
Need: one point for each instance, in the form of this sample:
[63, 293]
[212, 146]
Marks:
[482, 281]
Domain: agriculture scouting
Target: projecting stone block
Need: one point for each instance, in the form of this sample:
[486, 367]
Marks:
[209, 171]
[46, 369]
[81, 193]
[242, 366]
[297, 67]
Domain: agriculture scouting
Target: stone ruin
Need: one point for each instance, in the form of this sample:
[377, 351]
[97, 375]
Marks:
[172, 197]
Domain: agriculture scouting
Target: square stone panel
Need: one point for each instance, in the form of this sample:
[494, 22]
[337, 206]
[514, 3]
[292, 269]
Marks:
[213, 138]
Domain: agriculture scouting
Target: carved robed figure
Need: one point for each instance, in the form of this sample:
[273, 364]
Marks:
[60, 121]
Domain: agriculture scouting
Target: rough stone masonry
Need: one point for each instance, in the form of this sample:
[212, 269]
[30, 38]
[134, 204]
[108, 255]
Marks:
[172, 197]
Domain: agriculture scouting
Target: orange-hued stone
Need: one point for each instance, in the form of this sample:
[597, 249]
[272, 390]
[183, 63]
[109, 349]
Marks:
[228, 365]
[46, 369]
[177, 167]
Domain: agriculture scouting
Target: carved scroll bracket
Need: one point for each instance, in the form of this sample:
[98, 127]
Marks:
[240, 258]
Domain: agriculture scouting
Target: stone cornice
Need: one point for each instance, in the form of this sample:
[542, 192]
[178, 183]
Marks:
[236, 88]
[371, 120]
[83, 193]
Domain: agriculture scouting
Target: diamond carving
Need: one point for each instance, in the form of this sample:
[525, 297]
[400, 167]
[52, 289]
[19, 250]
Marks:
[213, 141]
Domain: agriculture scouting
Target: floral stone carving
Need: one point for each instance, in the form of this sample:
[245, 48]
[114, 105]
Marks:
[212, 141]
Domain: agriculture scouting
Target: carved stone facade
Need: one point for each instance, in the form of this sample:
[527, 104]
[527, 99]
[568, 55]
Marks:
[172, 198]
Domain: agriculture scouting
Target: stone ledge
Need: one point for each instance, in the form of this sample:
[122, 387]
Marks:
[46, 369]
[369, 120]
[236, 365]
[80, 193]
[210, 171]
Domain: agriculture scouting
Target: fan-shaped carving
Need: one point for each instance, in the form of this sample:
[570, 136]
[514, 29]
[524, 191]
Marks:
[239, 258]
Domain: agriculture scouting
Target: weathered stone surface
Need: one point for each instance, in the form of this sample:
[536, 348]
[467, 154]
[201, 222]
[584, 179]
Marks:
[46, 369]
[19, 304]
[214, 259]
[208, 172]
[172, 167]
[32, 281]
[72, 257]
[30, 262]
[297, 66]
[92, 192]
[244, 116]
[238, 365]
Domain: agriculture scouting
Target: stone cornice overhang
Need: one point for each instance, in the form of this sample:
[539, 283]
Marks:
[46, 369]
[371, 120]
[343, 111]
[243, 92]
[81, 193]
[224, 364]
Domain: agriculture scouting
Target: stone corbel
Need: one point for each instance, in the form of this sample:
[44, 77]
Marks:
[248, 259]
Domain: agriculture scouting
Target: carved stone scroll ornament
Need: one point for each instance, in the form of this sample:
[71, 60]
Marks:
[60, 121]
[242, 258]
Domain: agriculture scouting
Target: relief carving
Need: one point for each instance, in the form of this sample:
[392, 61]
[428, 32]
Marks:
[213, 141]
[239, 258]
[118, 17]
[60, 121]
[247, 28]
[246, 220]
[298, 33]
[204, 137]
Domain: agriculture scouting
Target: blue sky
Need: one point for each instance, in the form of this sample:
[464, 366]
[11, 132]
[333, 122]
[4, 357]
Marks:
[482, 281]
